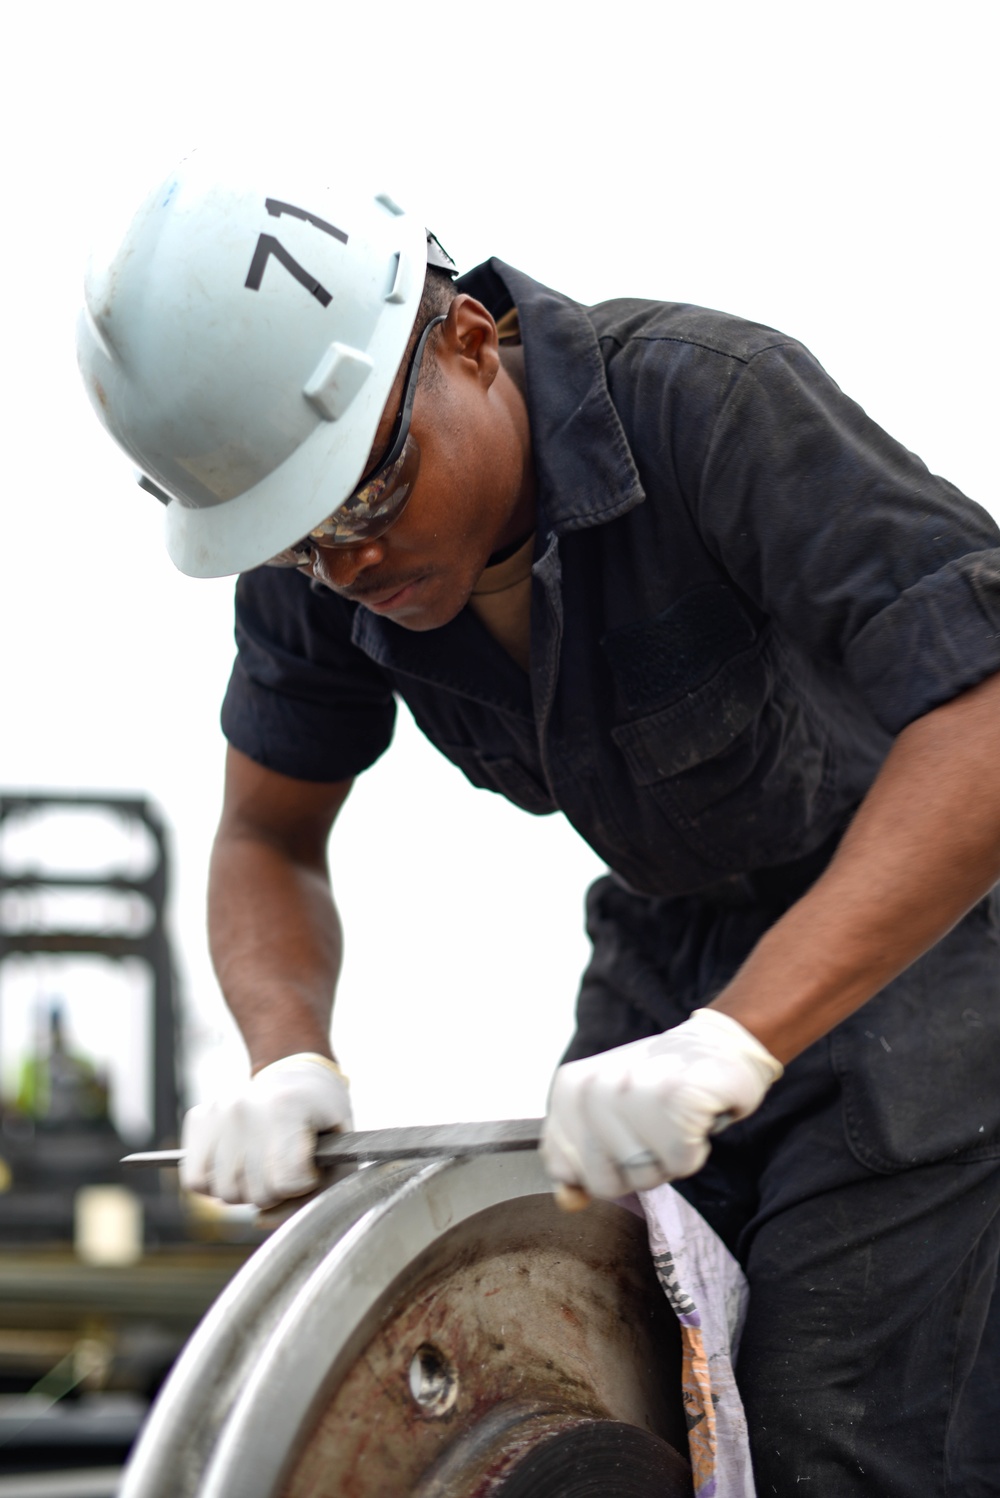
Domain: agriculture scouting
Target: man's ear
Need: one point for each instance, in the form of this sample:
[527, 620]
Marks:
[469, 335]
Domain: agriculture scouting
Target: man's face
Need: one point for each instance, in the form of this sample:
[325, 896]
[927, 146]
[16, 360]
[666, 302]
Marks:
[473, 492]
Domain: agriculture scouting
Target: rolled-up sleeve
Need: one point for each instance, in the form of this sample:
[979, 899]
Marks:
[846, 539]
[302, 699]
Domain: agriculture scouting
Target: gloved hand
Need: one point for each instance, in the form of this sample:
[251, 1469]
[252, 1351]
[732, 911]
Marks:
[258, 1146]
[642, 1114]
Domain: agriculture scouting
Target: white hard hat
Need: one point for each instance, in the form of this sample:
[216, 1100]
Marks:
[240, 344]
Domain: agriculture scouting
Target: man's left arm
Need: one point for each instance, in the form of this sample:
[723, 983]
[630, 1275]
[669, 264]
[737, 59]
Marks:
[923, 848]
[873, 565]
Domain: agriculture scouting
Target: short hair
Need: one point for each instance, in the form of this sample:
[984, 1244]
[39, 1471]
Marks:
[438, 294]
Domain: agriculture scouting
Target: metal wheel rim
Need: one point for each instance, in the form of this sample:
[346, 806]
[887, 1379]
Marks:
[296, 1317]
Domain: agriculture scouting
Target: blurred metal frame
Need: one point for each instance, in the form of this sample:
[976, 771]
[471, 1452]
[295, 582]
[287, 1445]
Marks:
[152, 946]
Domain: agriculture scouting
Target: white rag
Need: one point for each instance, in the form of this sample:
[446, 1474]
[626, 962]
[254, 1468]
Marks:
[708, 1293]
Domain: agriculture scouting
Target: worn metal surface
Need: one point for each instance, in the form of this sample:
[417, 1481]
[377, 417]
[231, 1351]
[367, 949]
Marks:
[422, 1329]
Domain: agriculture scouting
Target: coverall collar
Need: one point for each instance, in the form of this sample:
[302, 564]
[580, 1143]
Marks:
[585, 471]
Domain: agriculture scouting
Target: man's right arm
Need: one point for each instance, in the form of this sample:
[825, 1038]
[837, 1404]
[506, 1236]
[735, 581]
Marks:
[274, 931]
[276, 943]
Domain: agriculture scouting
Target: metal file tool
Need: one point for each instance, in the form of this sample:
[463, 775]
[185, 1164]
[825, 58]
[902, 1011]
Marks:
[423, 1141]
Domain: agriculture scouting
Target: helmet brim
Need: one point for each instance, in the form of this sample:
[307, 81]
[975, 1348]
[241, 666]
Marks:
[245, 532]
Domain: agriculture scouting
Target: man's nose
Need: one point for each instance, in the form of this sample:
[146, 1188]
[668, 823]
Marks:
[341, 566]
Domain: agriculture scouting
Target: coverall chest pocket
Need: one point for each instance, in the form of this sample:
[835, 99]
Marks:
[739, 765]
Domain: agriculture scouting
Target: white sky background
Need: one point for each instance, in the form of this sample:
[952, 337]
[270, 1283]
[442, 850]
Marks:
[827, 168]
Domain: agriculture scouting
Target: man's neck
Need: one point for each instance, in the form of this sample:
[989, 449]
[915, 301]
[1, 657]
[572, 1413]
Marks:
[521, 521]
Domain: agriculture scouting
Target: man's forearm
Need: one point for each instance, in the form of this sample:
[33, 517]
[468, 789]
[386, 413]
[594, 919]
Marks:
[275, 938]
[923, 848]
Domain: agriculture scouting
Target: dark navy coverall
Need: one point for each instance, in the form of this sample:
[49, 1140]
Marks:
[742, 590]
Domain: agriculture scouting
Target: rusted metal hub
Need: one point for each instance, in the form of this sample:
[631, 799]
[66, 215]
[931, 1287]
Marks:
[440, 1331]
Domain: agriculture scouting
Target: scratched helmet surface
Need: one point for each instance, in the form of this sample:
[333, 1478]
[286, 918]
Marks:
[240, 342]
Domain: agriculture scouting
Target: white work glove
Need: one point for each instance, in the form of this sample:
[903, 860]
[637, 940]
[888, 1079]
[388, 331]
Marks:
[642, 1114]
[259, 1145]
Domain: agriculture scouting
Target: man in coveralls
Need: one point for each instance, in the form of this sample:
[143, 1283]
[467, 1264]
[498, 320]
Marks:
[645, 564]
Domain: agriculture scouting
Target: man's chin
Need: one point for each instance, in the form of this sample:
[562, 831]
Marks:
[424, 607]
[429, 618]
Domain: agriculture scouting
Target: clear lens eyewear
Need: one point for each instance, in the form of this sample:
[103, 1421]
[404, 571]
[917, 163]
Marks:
[378, 502]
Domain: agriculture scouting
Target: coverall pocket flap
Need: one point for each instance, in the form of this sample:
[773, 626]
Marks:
[700, 726]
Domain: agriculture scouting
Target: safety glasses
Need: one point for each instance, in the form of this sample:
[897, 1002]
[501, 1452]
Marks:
[380, 499]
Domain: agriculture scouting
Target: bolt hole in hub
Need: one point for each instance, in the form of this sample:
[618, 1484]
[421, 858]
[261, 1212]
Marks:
[433, 1380]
